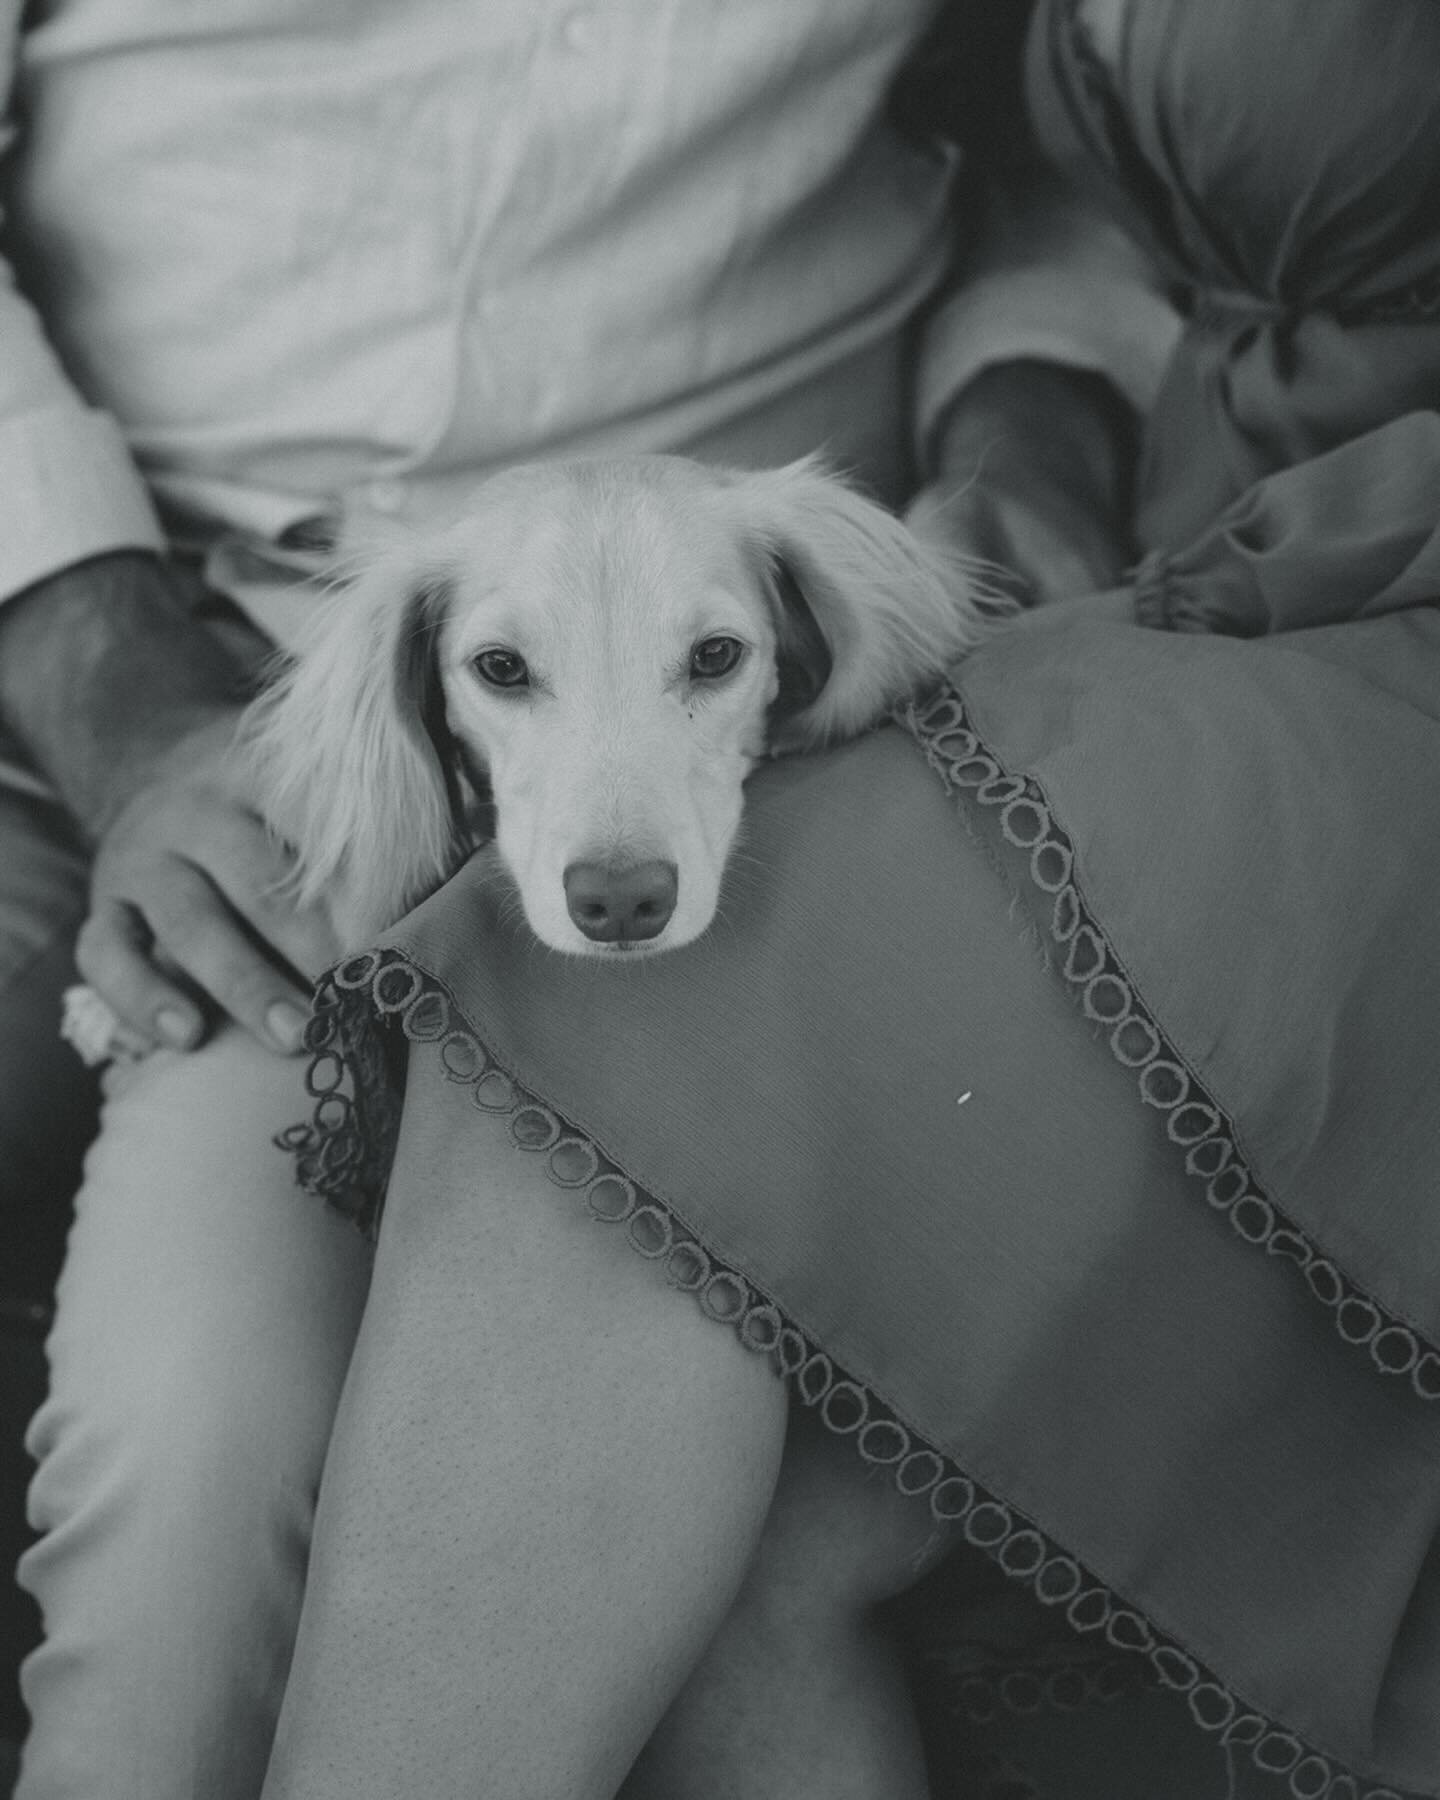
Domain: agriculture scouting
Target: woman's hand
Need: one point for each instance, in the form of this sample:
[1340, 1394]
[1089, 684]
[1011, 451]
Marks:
[1035, 469]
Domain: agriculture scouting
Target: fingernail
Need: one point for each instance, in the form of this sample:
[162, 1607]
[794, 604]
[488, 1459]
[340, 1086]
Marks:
[286, 1024]
[176, 1027]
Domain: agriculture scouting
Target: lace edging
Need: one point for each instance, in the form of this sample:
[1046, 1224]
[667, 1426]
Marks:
[1194, 1122]
[336, 1163]
[984, 1688]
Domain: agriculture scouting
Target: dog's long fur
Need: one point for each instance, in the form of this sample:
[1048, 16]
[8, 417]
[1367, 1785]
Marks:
[602, 574]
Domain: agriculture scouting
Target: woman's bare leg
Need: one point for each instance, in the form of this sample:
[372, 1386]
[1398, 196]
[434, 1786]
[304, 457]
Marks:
[801, 1693]
[546, 1483]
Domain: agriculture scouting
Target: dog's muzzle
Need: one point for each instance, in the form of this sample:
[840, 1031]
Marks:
[621, 903]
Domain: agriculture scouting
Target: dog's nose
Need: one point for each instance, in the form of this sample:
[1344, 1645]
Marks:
[621, 904]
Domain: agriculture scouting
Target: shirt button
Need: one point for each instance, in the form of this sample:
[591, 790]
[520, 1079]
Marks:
[386, 496]
[578, 28]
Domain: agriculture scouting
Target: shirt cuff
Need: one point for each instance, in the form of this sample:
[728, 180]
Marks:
[68, 491]
[1082, 317]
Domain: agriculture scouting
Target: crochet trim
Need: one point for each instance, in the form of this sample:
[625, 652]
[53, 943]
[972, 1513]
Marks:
[1194, 1122]
[981, 1688]
[336, 1161]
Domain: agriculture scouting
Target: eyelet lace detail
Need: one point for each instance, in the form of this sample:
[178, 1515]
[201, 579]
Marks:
[1195, 1125]
[342, 1156]
[977, 1684]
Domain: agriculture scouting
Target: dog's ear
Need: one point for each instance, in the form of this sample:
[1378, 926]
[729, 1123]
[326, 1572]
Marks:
[804, 661]
[866, 611]
[351, 754]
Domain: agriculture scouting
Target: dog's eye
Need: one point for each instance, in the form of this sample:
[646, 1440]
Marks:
[501, 668]
[713, 657]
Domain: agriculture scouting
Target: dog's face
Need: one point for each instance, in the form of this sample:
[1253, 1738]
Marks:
[608, 659]
[603, 650]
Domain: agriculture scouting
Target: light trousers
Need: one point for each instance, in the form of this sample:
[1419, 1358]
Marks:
[205, 1317]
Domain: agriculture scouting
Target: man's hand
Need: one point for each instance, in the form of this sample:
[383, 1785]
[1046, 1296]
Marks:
[1035, 471]
[130, 707]
[187, 899]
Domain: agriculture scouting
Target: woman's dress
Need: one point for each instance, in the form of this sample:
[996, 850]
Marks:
[1056, 1099]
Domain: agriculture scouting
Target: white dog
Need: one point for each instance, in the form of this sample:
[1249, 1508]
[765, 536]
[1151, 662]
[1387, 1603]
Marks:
[600, 650]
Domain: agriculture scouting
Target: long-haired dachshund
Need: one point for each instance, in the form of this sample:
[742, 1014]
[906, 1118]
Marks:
[601, 650]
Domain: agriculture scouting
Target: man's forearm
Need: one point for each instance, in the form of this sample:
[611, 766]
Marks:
[102, 670]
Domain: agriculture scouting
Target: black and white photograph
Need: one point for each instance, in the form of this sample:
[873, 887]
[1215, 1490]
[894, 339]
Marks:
[719, 899]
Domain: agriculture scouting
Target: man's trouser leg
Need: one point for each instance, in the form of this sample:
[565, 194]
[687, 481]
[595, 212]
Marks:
[205, 1314]
[204, 1322]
